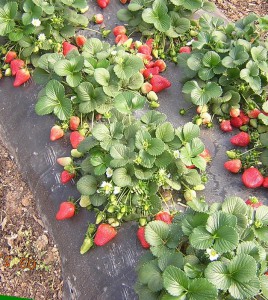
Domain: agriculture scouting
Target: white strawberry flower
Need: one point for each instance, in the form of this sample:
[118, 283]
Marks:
[213, 255]
[42, 37]
[107, 187]
[176, 154]
[117, 190]
[109, 172]
[36, 22]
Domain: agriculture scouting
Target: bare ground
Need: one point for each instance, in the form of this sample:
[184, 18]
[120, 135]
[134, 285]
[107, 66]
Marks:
[29, 261]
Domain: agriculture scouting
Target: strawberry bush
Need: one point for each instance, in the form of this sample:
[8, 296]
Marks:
[226, 77]
[167, 22]
[213, 251]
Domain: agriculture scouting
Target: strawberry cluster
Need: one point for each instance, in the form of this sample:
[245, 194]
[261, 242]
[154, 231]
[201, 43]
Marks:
[16, 67]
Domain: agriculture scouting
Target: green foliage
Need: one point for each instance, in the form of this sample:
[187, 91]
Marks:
[34, 27]
[95, 79]
[213, 256]
[166, 21]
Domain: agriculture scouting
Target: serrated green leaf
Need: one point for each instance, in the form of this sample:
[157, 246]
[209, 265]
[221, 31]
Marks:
[234, 205]
[97, 200]
[201, 289]
[87, 185]
[102, 76]
[190, 222]
[200, 238]
[165, 132]
[220, 219]
[175, 281]
[150, 274]
[217, 273]
[127, 102]
[121, 177]
[242, 290]
[226, 239]
[156, 233]
[135, 81]
[156, 147]
[153, 117]
[101, 132]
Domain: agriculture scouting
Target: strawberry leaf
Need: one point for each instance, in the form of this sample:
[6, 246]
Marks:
[156, 233]
[121, 177]
[87, 185]
[127, 102]
[175, 281]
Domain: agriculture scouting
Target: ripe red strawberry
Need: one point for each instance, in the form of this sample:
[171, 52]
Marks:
[22, 75]
[120, 29]
[104, 234]
[76, 138]
[98, 18]
[150, 43]
[252, 178]
[164, 216]
[145, 49]
[160, 64]
[123, 1]
[66, 176]
[236, 122]
[233, 165]
[80, 40]
[10, 56]
[145, 57]
[148, 73]
[234, 112]
[206, 155]
[66, 210]
[226, 126]
[141, 237]
[253, 114]
[16, 65]
[121, 39]
[185, 49]
[74, 122]
[67, 47]
[103, 3]
[159, 83]
[64, 161]
[244, 118]
[149, 65]
[265, 182]
[98, 117]
[241, 139]
[254, 202]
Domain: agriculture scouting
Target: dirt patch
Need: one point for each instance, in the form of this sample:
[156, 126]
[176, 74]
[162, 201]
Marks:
[29, 261]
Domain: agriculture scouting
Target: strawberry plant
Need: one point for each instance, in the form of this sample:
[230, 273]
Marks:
[216, 251]
[167, 22]
[130, 168]
[33, 27]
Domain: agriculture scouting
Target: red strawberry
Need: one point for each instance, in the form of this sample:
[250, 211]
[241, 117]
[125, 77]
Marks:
[190, 167]
[241, 139]
[80, 40]
[16, 65]
[121, 39]
[66, 176]
[10, 56]
[252, 178]
[254, 202]
[160, 64]
[206, 155]
[226, 126]
[145, 49]
[66, 211]
[149, 65]
[236, 122]
[265, 182]
[185, 49]
[234, 112]
[123, 1]
[253, 114]
[103, 3]
[119, 30]
[159, 83]
[150, 43]
[233, 165]
[145, 57]
[150, 72]
[104, 234]
[74, 122]
[244, 118]
[56, 133]
[64, 161]
[98, 18]
[22, 76]
[76, 138]
[141, 237]
[67, 47]
[164, 216]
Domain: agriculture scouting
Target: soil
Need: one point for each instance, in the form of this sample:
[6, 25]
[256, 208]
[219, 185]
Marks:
[29, 260]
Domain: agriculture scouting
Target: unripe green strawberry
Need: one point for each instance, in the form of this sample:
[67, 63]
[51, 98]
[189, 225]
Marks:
[115, 224]
[231, 154]
[64, 161]
[100, 217]
[199, 187]
[152, 96]
[87, 244]
[137, 44]
[111, 209]
[85, 9]
[84, 201]
[154, 104]
[111, 220]
[75, 153]
[189, 195]
[146, 88]
[8, 72]
[142, 221]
